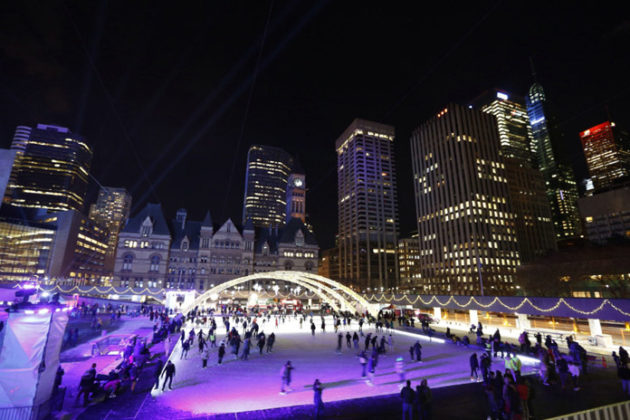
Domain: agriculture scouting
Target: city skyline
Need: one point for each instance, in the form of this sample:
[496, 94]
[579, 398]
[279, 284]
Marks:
[126, 111]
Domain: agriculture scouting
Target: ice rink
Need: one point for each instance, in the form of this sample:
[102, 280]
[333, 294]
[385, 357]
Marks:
[254, 384]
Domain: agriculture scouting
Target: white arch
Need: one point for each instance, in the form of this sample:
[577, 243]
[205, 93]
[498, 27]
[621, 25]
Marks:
[309, 285]
[309, 281]
[346, 289]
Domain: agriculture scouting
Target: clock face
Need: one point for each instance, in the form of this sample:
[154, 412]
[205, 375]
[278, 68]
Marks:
[298, 182]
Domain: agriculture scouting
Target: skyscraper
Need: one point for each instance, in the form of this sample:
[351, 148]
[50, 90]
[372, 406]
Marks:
[111, 210]
[466, 227]
[50, 170]
[560, 185]
[367, 205]
[528, 199]
[268, 170]
[607, 152]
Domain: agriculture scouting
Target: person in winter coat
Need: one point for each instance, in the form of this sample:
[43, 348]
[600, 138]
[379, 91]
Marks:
[270, 342]
[205, 355]
[623, 372]
[286, 377]
[408, 397]
[424, 401]
[169, 372]
[474, 367]
[221, 352]
[418, 351]
[317, 398]
[158, 371]
[261, 343]
[185, 348]
[355, 340]
[363, 361]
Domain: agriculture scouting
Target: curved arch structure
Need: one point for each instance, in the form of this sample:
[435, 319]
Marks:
[328, 290]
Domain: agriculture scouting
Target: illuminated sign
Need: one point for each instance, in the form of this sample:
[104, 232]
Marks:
[502, 95]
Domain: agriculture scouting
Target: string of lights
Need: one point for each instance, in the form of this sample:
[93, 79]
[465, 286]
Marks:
[473, 303]
[147, 291]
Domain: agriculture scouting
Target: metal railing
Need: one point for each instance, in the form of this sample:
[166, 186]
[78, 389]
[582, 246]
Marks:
[607, 412]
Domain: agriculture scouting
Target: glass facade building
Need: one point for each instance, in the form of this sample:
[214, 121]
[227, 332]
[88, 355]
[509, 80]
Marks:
[466, 226]
[528, 199]
[367, 206]
[111, 210]
[266, 180]
[25, 250]
[50, 170]
[607, 152]
[561, 188]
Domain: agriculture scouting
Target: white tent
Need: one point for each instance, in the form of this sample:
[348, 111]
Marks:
[29, 358]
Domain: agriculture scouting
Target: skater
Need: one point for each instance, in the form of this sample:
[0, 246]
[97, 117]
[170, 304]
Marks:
[323, 326]
[286, 378]
[339, 341]
[363, 361]
[185, 348]
[158, 372]
[312, 328]
[348, 339]
[205, 355]
[411, 351]
[245, 354]
[408, 396]
[270, 342]
[355, 340]
[371, 369]
[474, 367]
[390, 342]
[169, 371]
[367, 341]
[418, 350]
[317, 398]
[221, 352]
[261, 343]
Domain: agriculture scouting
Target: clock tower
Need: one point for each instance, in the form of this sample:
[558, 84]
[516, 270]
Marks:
[296, 197]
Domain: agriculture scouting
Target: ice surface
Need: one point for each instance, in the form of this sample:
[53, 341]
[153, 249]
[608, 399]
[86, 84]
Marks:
[254, 384]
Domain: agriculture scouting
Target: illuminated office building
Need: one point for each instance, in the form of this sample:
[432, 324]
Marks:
[466, 227]
[25, 250]
[329, 263]
[111, 210]
[79, 249]
[606, 215]
[367, 206]
[607, 152]
[560, 185]
[266, 179]
[409, 263]
[526, 186]
[50, 169]
[7, 157]
[54, 247]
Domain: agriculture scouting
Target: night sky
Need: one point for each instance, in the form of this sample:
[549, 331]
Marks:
[172, 94]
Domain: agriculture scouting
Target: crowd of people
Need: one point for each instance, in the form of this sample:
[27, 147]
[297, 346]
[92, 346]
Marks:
[509, 394]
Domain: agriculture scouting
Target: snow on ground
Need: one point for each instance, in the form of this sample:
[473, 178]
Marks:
[254, 384]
